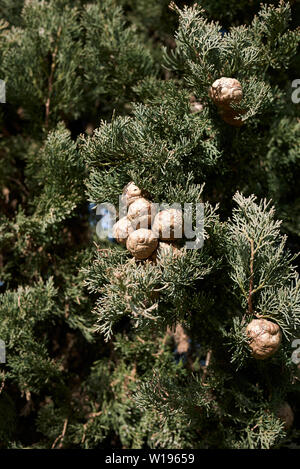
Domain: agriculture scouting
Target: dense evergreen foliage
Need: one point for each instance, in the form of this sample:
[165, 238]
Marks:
[98, 94]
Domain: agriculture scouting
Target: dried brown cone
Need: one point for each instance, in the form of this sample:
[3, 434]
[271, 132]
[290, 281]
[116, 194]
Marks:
[142, 243]
[226, 91]
[131, 193]
[265, 338]
[141, 213]
[122, 229]
[168, 224]
[286, 414]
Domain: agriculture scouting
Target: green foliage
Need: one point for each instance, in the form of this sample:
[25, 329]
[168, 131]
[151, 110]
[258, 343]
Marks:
[282, 169]
[40, 60]
[256, 248]
[61, 57]
[151, 135]
[133, 290]
[117, 58]
[22, 313]
[58, 173]
[203, 54]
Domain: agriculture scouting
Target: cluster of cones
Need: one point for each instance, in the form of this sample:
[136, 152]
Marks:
[145, 231]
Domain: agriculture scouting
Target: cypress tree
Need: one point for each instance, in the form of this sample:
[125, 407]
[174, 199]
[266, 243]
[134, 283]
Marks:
[177, 348]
